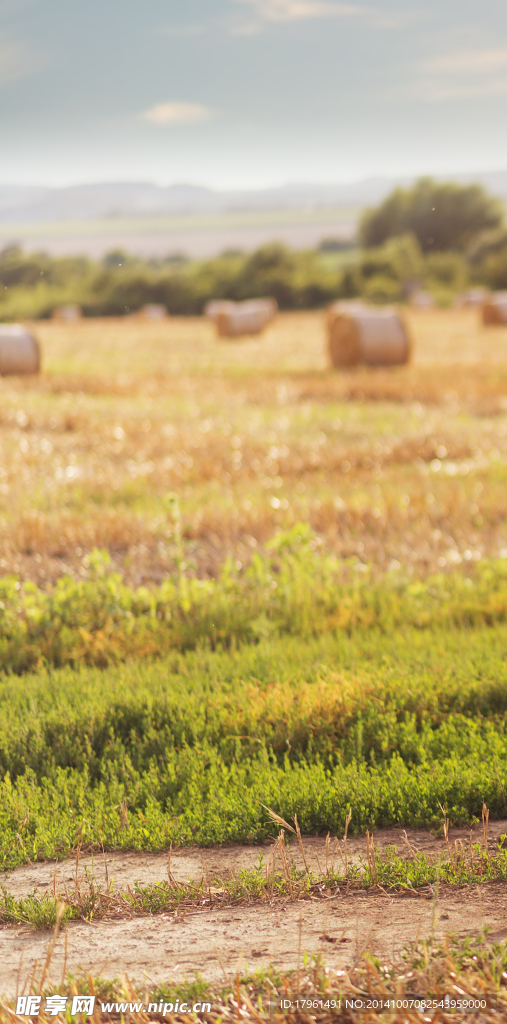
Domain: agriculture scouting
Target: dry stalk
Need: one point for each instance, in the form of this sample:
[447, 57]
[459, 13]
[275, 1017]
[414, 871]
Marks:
[285, 863]
[105, 863]
[300, 841]
[340, 853]
[348, 819]
[445, 825]
[485, 826]
[459, 851]
[273, 856]
[60, 908]
[124, 814]
[278, 820]
[370, 854]
[76, 875]
[406, 842]
[65, 955]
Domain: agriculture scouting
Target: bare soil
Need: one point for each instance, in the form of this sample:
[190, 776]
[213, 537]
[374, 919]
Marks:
[218, 942]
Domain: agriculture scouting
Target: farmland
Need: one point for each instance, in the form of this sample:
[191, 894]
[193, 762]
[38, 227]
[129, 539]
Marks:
[404, 465]
[236, 580]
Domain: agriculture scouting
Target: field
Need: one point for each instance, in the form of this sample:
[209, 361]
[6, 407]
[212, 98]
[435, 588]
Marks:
[406, 465]
[196, 235]
[236, 581]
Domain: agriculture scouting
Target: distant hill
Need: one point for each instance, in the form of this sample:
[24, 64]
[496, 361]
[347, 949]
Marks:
[20, 205]
[152, 220]
[32, 205]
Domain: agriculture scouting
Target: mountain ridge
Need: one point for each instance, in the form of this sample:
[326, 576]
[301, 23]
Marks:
[37, 204]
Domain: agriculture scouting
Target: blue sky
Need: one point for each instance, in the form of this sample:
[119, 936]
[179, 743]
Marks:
[246, 93]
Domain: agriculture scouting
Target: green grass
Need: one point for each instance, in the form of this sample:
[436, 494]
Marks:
[39, 911]
[292, 589]
[390, 702]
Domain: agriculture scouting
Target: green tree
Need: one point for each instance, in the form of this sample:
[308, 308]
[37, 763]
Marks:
[442, 216]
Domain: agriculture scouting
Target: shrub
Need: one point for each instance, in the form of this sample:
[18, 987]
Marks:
[441, 215]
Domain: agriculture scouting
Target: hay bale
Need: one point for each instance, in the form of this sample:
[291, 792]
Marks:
[234, 319]
[472, 297]
[154, 311]
[67, 314]
[268, 308]
[363, 334]
[19, 350]
[422, 300]
[343, 306]
[249, 317]
[494, 310]
[213, 309]
[240, 321]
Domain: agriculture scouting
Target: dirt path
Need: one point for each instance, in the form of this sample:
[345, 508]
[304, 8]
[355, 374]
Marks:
[215, 942]
[191, 863]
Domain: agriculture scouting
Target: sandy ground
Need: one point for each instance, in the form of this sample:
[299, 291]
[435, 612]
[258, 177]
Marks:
[194, 863]
[216, 942]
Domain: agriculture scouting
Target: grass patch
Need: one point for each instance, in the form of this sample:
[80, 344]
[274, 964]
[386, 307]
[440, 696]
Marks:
[188, 749]
[291, 589]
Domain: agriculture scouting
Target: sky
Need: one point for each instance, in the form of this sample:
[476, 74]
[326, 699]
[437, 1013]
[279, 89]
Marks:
[250, 93]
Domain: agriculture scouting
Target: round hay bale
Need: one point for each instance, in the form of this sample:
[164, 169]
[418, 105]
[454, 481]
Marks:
[494, 310]
[216, 306]
[268, 308]
[154, 311]
[343, 306]
[242, 319]
[19, 350]
[263, 309]
[472, 297]
[362, 334]
[67, 314]
[422, 300]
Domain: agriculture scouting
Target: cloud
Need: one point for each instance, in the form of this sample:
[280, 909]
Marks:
[175, 112]
[296, 10]
[286, 11]
[463, 74]
[469, 61]
[437, 91]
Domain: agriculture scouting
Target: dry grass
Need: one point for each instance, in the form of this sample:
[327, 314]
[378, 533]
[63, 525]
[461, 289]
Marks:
[406, 465]
[432, 983]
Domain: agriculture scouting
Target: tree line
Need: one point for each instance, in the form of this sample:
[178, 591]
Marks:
[440, 236]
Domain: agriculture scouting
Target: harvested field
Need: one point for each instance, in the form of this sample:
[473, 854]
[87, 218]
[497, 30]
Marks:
[405, 465]
[320, 629]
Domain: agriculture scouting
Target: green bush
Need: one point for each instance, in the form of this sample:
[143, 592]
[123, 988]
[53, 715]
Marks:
[442, 216]
[36, 285]
[493, 270]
